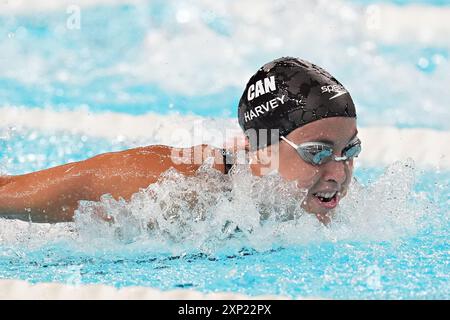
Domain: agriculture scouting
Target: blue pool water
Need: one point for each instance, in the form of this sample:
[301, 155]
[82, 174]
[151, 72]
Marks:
[399, 249]
[391, 236]
[160, 64]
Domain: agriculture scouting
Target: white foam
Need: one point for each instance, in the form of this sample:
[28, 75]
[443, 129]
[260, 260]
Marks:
[389, 23]
[190, 58]
[429, 148]
[177, 57]
[382, 145]
[162, 216]
[414, 23]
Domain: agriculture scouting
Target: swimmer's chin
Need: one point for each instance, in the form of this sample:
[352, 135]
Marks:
[323, 212]
[323, 217]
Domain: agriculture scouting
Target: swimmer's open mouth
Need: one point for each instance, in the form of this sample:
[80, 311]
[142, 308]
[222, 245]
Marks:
[328, 200]
[325, 196]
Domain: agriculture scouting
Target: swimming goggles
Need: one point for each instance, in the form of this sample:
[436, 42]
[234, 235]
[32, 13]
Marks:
[317, 153]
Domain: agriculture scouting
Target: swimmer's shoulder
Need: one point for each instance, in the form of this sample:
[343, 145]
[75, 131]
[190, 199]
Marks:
[159, 158]
[188, 159]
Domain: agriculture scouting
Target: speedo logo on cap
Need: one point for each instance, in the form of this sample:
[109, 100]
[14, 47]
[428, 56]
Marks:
[261, 87]
[338, 89]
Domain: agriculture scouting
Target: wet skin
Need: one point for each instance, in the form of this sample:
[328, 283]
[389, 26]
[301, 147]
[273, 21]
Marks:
[328, 177]
[52, 195]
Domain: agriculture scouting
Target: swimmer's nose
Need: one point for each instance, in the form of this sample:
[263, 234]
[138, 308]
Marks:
[336, 171]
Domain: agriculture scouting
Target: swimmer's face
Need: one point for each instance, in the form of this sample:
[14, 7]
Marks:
[330, 177]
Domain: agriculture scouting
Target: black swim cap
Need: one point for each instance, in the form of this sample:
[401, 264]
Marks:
[288, 93]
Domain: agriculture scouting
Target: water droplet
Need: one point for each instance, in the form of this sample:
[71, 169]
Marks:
[423, 63]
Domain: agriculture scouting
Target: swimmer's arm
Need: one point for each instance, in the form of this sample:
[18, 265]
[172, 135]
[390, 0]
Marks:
[40, 196]
[53, 195]
[49, 195]
[4, 180]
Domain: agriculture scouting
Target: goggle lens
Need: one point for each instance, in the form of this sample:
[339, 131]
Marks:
[322, 156]
[319, 154]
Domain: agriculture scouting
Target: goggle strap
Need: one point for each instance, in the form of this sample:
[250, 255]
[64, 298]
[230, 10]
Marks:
[293, 145]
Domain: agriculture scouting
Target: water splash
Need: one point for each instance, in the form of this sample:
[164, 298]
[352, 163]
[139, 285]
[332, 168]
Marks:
[210, 212]
[204, 212]
[386, 209]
